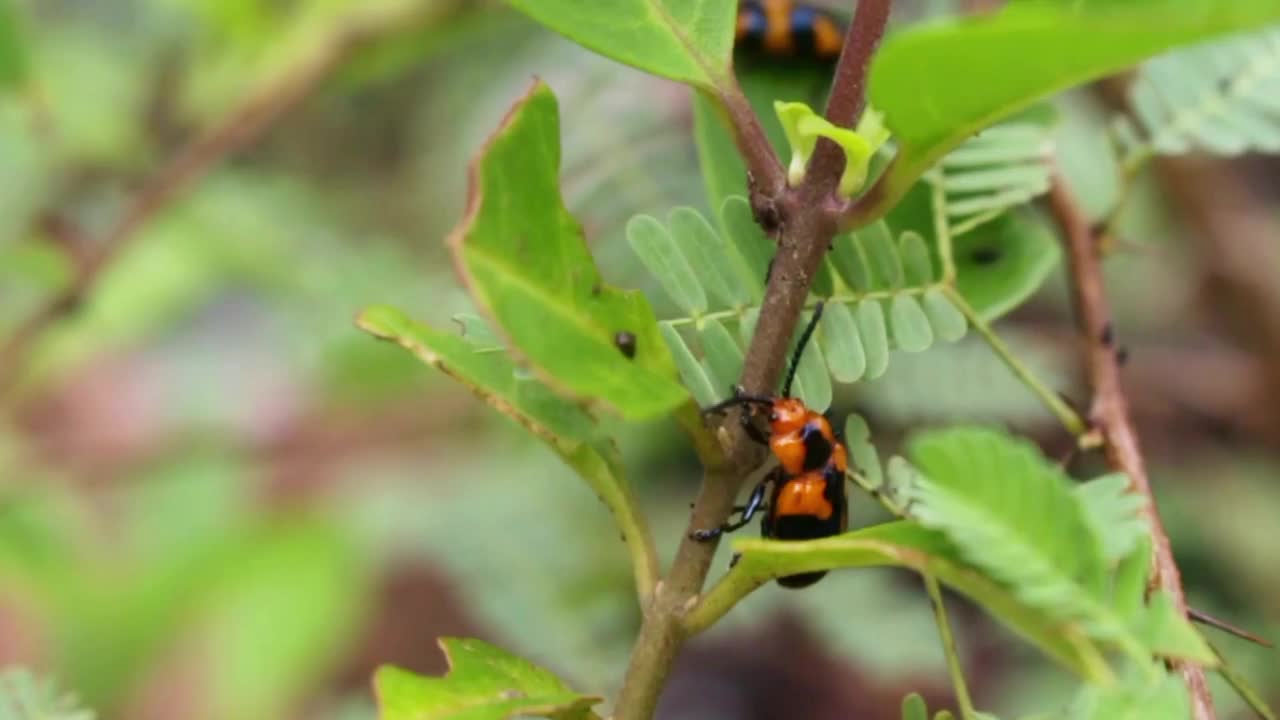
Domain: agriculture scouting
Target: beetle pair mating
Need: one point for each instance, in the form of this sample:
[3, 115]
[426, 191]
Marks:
[808, 498]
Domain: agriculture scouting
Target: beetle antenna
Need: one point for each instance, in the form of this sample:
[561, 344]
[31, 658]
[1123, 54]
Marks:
[804, 340]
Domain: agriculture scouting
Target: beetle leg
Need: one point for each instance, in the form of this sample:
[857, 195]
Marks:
[754, 505]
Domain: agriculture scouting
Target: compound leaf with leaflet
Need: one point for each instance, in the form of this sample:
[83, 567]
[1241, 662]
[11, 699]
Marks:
[939, 83]
[526, 263]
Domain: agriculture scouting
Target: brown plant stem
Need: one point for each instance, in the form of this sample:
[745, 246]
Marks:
[848, 93]
[1109, 410]
[233, 132]
[767, 179]
[806, 224]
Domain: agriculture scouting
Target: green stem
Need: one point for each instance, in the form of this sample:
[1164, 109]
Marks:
[968, 224]
[1242, 686]
[1132, 164]
[719, 600]
[949, 647]
[941, 228]
[639, 542]
[1066, 415]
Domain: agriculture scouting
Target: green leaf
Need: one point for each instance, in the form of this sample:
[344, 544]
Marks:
[665, 260]
[910, 324]
[790, 115]
[1219, 97]
[527, 265]
[939, 83]
[491, 376]
[916, 264]
[802, 128]
[724, 357]
[882, 256]
[692, 373]
[692, 260]
[1013, 514]
[484, 683]
[1001, 168]
[1171, 635]
[14, 63]
[689, 41]
[1012, 177]
[1155, 620]
[823, 284]
[901, 477]
[753, 245]
[564, 426]
[862, 453]
[875, 337]
[1002, 263]
[1129, 585]
[947, 321]
[906, 544]
[913, 708]
[1005, 147]
[1137, 698]
[841, 345]
[477, 332]
[1115, 514]
[850, 260]
[715, 261]
[895, 276]
[999, 262]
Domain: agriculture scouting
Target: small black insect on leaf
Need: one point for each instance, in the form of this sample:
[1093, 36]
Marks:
[985, 255]
[626, 342]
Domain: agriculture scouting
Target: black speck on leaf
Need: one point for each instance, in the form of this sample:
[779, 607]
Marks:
[626, 342]
[985, 255]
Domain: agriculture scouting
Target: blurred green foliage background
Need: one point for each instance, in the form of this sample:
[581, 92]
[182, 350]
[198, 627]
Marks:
[219, 500]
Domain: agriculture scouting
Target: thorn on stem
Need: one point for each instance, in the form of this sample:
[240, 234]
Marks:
[1205, 618]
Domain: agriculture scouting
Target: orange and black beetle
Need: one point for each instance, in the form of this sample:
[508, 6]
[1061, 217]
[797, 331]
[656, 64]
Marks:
[787, 29]
[808, 499]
